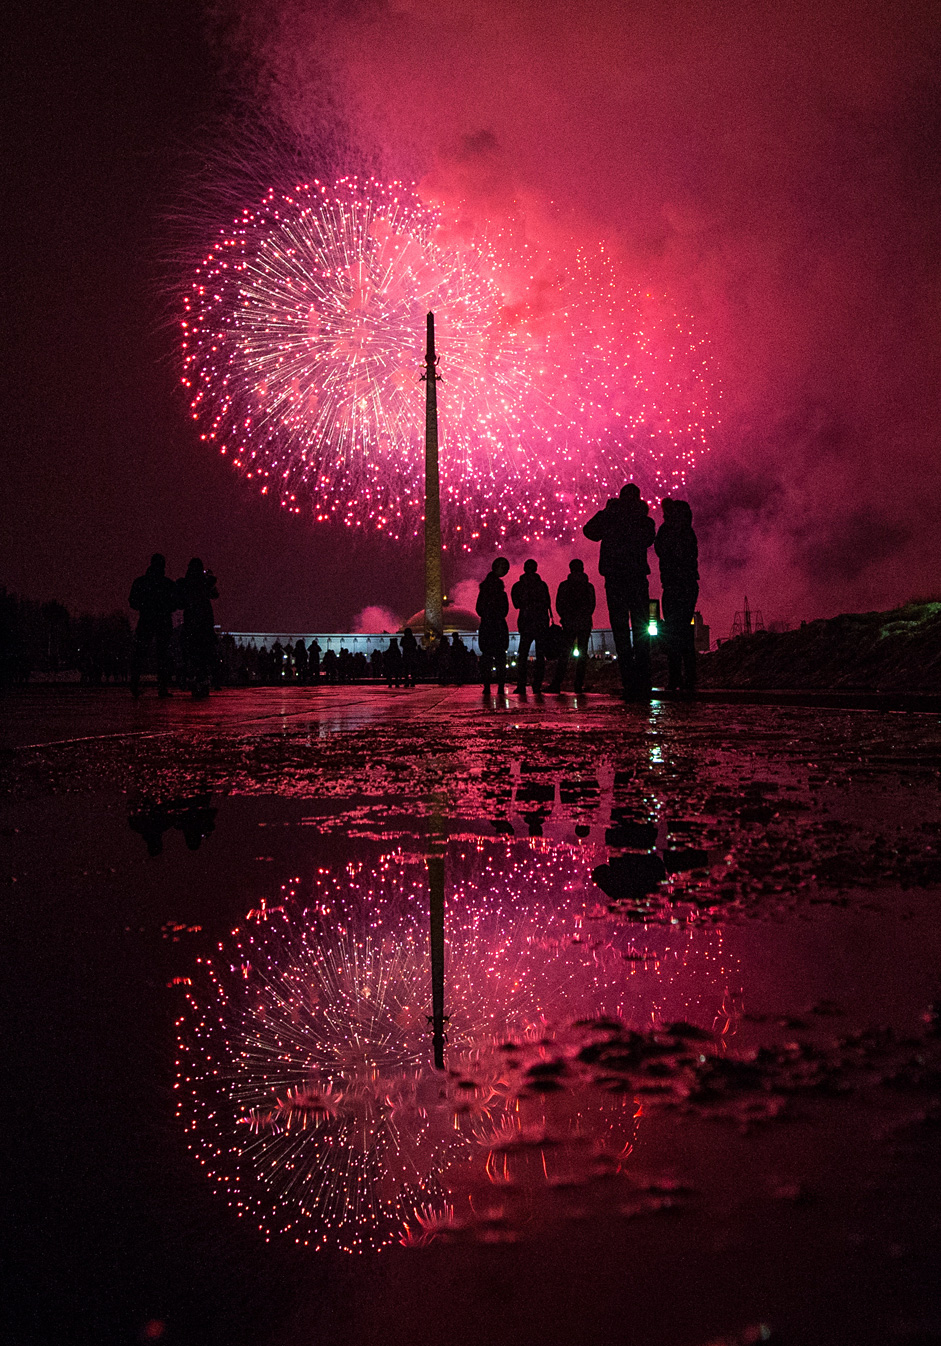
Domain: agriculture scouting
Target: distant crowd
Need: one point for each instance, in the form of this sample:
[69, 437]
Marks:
[626, 532]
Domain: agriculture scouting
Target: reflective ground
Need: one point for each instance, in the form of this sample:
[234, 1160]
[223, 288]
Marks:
[357, 1015]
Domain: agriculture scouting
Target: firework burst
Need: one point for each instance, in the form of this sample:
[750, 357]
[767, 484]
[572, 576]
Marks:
[305, 1079]
[302, 342]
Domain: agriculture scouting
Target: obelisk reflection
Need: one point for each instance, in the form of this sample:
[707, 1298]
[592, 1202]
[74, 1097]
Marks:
[436, 902]
[434, 862]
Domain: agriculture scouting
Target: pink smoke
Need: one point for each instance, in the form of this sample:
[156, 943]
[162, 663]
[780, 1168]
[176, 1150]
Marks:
[374, 620]
[769, 167]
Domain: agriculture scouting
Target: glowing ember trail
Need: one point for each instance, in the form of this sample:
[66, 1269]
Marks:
[302, 345]
[305, 1072]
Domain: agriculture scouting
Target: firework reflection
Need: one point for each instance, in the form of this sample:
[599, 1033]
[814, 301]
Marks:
[306, 1076]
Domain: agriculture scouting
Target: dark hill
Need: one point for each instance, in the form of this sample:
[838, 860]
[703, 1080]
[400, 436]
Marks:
[897, 651]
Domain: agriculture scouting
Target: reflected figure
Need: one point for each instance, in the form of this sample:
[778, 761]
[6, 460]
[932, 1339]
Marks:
[194, 817]
[628, 878]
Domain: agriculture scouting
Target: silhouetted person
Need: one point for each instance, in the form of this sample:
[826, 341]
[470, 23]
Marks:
[409, 647]
[575, 604]
[329, 662]
[300, 661]
[313, 662]
[154, 596]
[625, 530]
[530, 596]
[278, 661]
[196, 590]
[678, 550]
[493, 638]
[459, 653]
[392, 664]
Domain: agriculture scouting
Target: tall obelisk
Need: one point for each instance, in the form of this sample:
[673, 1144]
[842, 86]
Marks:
[434, 616]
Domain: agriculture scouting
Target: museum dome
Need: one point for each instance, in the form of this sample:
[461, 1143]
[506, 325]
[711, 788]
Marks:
[455, 619]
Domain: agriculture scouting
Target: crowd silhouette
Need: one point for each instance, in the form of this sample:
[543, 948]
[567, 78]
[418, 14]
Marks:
[560, 635]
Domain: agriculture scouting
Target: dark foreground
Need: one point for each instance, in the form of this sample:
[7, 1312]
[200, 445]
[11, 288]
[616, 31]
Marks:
[691, 1084]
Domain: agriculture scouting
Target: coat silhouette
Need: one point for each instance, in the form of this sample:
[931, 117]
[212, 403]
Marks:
[196, 590]
[493, 638]
[626, 531]
[530, 596]
[575, 604]
[678, 552]
[154, 596]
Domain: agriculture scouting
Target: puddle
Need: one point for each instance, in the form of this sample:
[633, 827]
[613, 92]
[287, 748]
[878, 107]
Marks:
[627, 1022]
[356, 1056]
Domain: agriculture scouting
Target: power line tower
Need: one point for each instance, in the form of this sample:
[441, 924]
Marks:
[747, 621]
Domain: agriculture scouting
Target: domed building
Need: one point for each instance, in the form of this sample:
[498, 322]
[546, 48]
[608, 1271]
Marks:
[455, 619]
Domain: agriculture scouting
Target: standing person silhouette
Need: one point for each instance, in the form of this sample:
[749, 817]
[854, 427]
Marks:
[575, 604]
[625, 530]
[313, 662]
[154, 596]
[197, 589]
[530, 596]
[392, 663]
[409, 647]
[678, 551]
[493, 638]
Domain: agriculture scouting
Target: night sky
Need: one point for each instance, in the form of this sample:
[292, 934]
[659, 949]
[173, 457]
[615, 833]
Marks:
[773, 167]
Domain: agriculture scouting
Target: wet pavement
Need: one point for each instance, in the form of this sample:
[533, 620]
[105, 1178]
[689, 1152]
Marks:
[357, 1015]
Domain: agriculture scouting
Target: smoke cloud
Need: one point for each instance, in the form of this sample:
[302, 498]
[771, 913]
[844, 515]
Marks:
[375, 619]
[769, 167]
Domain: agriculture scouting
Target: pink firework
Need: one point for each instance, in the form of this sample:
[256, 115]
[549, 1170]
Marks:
[302, 348]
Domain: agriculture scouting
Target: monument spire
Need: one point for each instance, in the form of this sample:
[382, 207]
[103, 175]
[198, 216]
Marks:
[434, 615]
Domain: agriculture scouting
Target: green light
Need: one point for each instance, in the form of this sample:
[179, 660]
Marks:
[651, 628]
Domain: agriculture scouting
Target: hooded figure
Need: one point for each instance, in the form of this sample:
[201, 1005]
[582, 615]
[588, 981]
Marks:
[530, 596]
[678, 552]
[626, 531]
[493, 638]
[575, 604]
